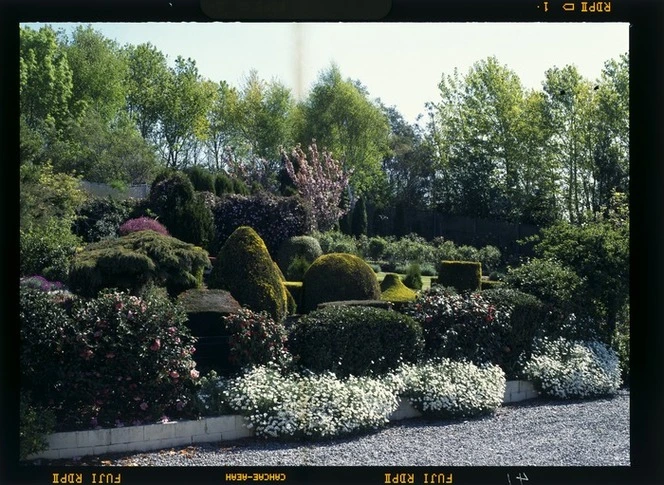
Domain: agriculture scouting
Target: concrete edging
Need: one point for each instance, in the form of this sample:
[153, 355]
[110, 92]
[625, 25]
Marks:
[206, 430]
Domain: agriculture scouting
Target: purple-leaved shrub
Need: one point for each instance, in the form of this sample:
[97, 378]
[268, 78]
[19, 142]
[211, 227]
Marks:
[142, 224]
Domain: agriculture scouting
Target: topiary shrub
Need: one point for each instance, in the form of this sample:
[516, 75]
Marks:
[275, 219]
[462, 275]
[306, 247]
[336, 277]
[392, 289]
[256, 339]
[142, 224]
[491, 285]
[134, 261]
[413, 279]
[244, 268]
[354, 340]
[297, 268]
[295, 289]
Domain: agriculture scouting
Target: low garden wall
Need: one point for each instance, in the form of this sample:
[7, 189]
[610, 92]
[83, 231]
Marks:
[205, 430]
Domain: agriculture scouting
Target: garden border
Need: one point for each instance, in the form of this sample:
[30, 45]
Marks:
[205, 430]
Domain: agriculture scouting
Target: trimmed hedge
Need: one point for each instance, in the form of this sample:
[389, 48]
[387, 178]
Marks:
[462, 275]
[355, 340]
[135, 261]
[295, 289]
[338, 276]
[244, 268]
[393, 289]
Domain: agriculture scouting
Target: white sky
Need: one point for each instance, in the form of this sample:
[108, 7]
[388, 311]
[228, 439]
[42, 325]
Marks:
[400, 63]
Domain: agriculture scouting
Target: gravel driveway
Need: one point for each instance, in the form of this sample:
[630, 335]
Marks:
[539, 432]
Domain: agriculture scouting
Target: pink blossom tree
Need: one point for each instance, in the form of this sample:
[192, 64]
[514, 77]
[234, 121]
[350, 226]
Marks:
[320, 180]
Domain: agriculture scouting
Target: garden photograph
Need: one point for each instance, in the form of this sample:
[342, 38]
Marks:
[324, 244]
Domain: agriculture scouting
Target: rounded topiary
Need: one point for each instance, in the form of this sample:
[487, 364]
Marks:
[355, 340]
[393, 289]
[306, 247]
[244, 268]
[337, 277]
[462, 275]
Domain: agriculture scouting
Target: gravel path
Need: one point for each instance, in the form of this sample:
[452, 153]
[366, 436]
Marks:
[539, 432]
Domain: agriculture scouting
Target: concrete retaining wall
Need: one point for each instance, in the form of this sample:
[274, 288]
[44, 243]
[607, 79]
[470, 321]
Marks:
[206, 430]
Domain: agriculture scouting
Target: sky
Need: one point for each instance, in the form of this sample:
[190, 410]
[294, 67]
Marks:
[400, 63]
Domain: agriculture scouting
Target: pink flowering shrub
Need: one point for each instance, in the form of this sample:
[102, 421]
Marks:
[256, 339]
[320, 180]
[110, 361]
[142, 224]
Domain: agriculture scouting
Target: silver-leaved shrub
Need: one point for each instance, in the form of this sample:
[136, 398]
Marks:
[573, 369]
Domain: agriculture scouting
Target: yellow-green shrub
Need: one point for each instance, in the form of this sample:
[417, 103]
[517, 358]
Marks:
[336, 277]
[393, 289]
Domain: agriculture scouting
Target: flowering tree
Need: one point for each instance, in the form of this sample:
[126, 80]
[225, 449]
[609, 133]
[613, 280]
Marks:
[320, 180]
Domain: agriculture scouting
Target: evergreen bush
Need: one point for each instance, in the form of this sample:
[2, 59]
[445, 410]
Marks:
[355, 340]
[306, 247]
[462, 275]
[244, 267]
[336, 277]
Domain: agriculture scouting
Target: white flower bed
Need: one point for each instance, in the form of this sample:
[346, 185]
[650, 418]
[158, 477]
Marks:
[566, 369]
[453, 389]
[325, 406]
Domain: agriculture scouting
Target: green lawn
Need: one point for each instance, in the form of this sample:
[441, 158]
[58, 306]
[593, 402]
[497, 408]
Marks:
[426, 280]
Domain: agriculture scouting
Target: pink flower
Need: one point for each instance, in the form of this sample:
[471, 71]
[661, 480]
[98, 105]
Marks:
[174, 374]
[87, 354]
[110, 355]
[156, 345]
[194, 374]
[144, 406]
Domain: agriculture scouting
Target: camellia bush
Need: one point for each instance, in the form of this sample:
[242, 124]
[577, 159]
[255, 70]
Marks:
[449, 389]
[573, 369]
[256, 339]
[110, 361]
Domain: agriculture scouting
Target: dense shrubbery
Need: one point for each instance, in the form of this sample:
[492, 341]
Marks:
[336, 277]
[306, 248]
[201, 179]
[466, 326]
[110, 361]
[573, 369]
[181, 210]
[137, 260]
[35, 422]
[47, 249]
[528, 319]
[448, 389]
[244, 267]
[100, 218]
[337, 242]
[462, 275]
[256, 339]
[142, 224]
[275, 219]
[355, 340]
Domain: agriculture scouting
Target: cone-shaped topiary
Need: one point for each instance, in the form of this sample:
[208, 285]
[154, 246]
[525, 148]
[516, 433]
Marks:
[336, 277]
[393, 289]
[244, 268]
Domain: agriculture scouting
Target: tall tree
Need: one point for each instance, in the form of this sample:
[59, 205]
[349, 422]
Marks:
[98, 73]
[223, 133]
[342, 119]
[182, 109]
[45, 77]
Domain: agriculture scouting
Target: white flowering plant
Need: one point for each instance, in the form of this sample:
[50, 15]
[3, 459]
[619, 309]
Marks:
[573, 369]
[449, 389]
[309, 406]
